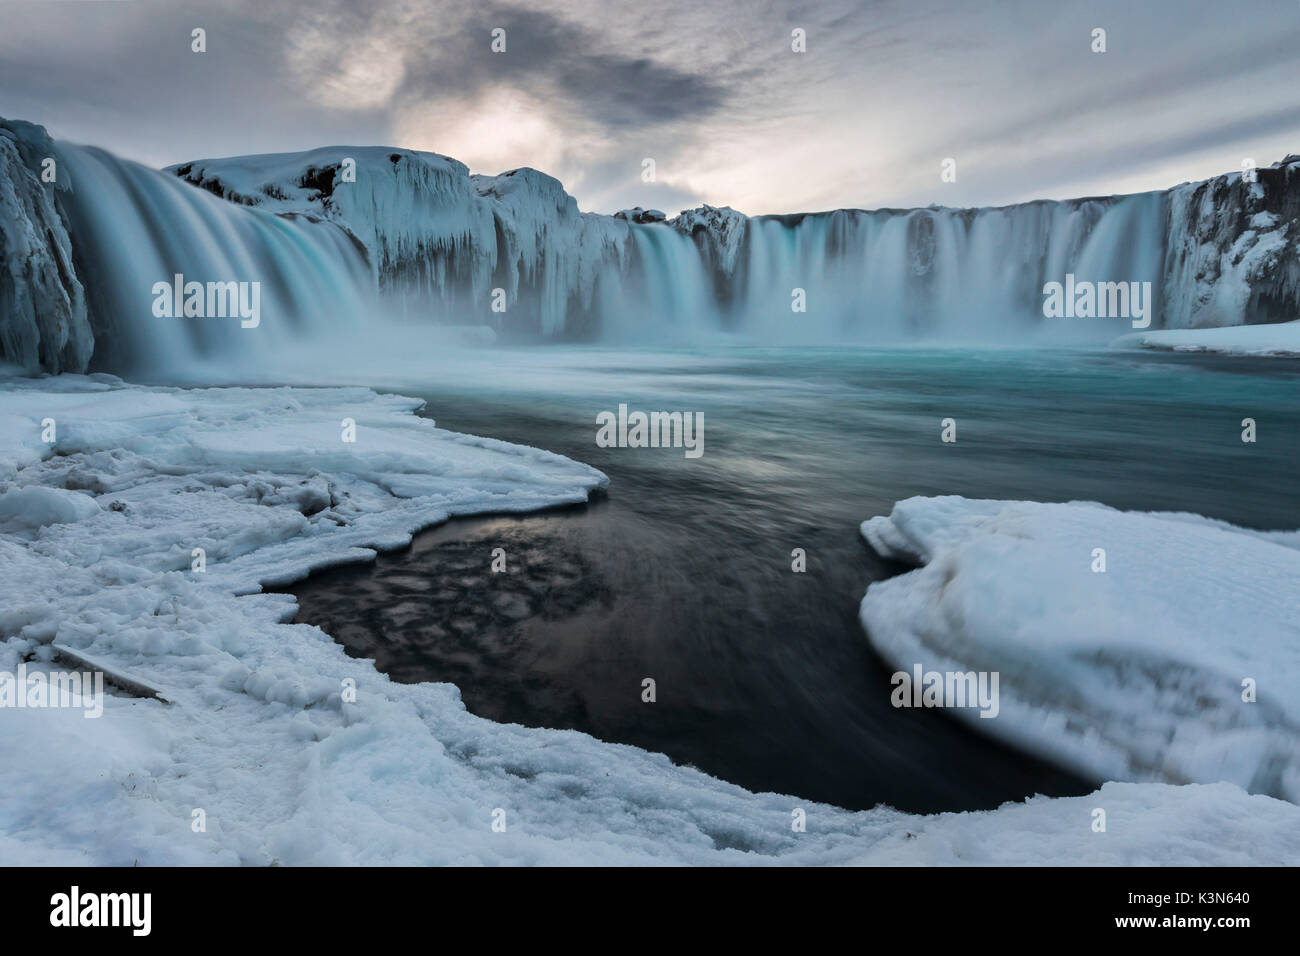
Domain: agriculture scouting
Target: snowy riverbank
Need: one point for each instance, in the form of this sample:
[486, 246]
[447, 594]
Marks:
[98, 530]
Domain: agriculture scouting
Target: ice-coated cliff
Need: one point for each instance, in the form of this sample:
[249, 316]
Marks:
[338, 235]
[1233, 251]
[43, 321]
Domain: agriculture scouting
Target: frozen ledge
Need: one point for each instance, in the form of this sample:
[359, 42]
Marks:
[1139, 672]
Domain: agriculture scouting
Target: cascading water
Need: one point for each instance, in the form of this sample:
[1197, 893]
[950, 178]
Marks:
[338, 237]
[676, 301]
[134, 227]
[970, 275]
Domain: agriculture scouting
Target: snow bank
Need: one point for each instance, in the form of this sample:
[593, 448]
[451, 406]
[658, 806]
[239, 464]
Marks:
[1132, 674]
[1279, 339]
[253, 728]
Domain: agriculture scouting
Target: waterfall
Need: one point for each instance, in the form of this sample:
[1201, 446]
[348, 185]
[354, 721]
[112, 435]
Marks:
[674, 301]
[971, 275]
[341, 239]
[134, 227]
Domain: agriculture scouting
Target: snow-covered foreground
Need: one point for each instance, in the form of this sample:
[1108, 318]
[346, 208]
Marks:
[1281, 339]
[97, 539]
[1140, 672]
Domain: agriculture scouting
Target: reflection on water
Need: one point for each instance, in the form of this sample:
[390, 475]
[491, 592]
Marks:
[683, 572]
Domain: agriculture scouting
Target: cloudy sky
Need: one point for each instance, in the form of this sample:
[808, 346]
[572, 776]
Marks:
[709, 89]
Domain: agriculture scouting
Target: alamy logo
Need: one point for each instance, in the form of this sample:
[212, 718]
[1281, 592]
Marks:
[924, 688]
[103, 909]
[62, 689]
[1101, 300]
[652, 430]
[217, 300]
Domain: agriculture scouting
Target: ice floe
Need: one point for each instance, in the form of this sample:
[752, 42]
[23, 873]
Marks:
[1130, 646]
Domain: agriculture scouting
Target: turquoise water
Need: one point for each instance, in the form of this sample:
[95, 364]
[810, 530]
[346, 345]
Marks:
[683, 572]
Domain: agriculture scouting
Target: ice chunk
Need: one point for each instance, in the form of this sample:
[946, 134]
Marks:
[1178, 662]
[35, 506]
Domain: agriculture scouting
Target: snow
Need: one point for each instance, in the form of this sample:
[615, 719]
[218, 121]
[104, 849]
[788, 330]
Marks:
[1278, 339]
[638, 215]
[1133, 674]
[252, 727]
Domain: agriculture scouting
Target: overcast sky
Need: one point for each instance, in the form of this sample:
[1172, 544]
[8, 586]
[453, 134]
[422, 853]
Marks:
[709, 89]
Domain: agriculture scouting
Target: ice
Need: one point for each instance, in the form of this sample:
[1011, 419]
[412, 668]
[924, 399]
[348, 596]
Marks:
[1217, 253]
[253, 735]
[1232, 250]
[433, 232]
[1278, 339]
[1135, 673]
[43, 319]
[37, 506]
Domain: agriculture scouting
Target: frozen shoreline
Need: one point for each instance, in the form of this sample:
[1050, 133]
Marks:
[96, 541]
[1281, 340]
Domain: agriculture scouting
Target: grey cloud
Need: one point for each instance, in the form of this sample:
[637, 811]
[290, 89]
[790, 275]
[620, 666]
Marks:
[568, 61]
[709, 88]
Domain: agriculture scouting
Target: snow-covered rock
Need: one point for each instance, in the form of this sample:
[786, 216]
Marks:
[1233, 252]
[718, 232]
[551, 254]
[1180, 662]
[639, 215]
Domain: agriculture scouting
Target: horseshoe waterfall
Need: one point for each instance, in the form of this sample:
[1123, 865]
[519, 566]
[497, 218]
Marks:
[340, 238]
